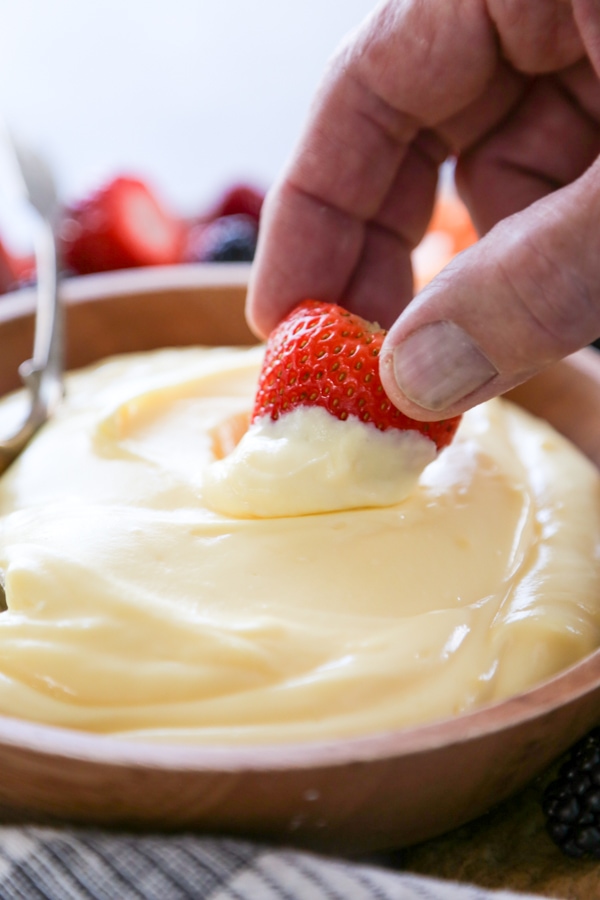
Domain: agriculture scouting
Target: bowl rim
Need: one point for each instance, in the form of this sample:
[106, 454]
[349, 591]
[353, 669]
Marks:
[558, 692]
[130, 282]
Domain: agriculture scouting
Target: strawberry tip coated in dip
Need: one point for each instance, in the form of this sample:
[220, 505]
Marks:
[323, 434]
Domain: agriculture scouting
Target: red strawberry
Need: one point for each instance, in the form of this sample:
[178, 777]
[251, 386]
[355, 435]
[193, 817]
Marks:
[7, 273]
[120, 226]
[323, 355]
[14, 270]
[240, 199]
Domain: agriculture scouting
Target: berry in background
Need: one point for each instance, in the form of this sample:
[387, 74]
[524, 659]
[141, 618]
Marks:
[571, 802]
[120, 226]
[323, 355]
[229, 238]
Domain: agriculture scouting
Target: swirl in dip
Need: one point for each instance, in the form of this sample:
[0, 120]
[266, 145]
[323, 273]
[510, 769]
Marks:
[157, 590]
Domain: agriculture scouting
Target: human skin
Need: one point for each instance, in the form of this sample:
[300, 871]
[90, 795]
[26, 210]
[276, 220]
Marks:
[511, 90]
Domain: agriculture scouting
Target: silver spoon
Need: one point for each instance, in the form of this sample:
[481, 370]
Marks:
[26, 174]
[29, 180]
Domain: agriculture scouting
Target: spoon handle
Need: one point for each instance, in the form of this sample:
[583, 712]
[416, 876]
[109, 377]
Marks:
[42, 375]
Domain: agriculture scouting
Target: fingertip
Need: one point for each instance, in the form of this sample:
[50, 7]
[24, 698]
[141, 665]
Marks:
[256, 319]
[432, 371]
[266, 303]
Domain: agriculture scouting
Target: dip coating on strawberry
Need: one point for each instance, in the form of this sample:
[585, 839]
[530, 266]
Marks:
[321, 355]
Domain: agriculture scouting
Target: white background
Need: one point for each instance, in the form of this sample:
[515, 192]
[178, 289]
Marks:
[190, 94]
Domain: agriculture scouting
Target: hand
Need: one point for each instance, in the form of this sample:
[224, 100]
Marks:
[511, 89]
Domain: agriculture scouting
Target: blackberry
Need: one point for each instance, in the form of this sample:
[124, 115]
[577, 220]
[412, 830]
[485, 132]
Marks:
[571, 802]
[226, 239]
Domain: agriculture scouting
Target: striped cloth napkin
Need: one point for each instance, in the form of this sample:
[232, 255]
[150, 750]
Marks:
[39, 863]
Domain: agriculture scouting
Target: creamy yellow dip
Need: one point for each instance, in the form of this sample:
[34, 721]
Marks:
[136, 607]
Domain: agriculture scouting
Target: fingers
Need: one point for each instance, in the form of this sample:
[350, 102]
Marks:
[547, 142]
[306, 249]
[380, 93]
[356, 196]
[382, 282]
[587, 17]
[537, 37]
[523, 297]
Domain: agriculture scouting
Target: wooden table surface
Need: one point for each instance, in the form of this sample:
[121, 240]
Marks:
[508, 849]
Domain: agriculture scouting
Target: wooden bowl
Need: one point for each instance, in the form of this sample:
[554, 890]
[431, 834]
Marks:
[357, 795]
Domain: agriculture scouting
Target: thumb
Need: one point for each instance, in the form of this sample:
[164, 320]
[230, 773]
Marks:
[524, 296]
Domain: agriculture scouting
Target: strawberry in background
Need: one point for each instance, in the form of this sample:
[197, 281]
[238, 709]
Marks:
[238, 200]
[14, 270]
[122, 225]
[7, 275]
